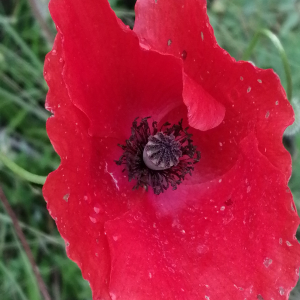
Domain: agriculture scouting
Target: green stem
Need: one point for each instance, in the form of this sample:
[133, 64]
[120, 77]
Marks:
[22, 172]
[276, 42]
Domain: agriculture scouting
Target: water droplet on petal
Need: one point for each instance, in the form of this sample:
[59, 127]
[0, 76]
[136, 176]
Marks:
[97, 209]
[202, 249]
[183, 54]
[293, 206]
[138, 216]
[281, 291]
[267, 262]
[87, 198]
[66, 197]
[113, 296]
[93, 219]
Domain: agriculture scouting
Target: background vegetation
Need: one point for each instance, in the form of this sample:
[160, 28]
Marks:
[26, 34]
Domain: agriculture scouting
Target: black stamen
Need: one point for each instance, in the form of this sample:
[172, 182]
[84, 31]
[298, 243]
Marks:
[170, 150]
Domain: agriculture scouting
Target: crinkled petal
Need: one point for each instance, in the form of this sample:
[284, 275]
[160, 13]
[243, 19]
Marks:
[104, 65]
[231, 238]
[182, 26]
[82, 193]
[204, 112]
[89, 188]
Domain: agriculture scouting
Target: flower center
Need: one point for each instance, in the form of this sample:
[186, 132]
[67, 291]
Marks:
[159, 159]
[162, 151]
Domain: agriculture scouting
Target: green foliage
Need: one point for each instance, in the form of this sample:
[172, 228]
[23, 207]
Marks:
[23, 138]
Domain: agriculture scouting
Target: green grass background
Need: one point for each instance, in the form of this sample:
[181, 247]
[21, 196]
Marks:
[23, 138]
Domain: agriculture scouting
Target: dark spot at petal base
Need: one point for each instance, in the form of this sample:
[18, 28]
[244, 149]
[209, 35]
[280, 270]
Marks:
[183, 54]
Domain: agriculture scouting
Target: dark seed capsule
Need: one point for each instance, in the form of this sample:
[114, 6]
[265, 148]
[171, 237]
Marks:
[162, 152]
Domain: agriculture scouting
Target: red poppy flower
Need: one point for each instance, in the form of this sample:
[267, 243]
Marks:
[228, 230]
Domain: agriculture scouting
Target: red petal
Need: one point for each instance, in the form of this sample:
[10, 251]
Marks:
[204, 112]
[82, 194]
[174, 28]
[238, 86]
[232, 238]
[104, 64]
[67, 195]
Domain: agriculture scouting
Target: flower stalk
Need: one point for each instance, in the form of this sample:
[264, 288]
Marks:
[33, 178]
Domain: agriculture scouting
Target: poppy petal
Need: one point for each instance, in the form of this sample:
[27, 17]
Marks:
[204, 112]
[183, 27]
[104, 64]
[224, 239]
[82, 193]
